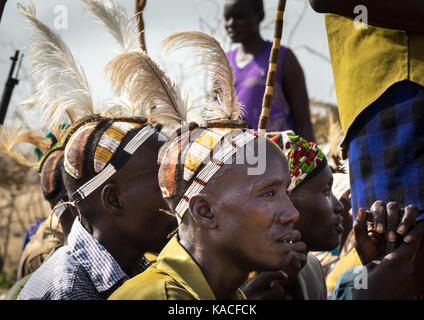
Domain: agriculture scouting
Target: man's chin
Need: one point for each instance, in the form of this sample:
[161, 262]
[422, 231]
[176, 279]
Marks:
[235, 38]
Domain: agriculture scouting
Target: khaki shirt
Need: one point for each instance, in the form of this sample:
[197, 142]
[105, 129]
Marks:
[175, 276]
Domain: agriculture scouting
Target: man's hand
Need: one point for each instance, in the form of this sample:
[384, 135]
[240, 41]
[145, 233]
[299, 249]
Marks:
[374, 241]
[295, 262]
[391, 278]
[274, 285]
[266, 286]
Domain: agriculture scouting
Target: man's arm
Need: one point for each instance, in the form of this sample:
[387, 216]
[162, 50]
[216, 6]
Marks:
[294, 88]
[403, 15]
[2, 4]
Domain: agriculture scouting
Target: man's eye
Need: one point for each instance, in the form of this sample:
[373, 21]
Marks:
[327, 192]
[269, 193]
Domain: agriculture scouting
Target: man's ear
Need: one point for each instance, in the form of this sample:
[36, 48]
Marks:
[201, 211]
[110, 199]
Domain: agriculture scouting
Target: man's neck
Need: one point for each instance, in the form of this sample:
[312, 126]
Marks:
[253, 45]
[223, 277]
[247, 52]
[125, 254]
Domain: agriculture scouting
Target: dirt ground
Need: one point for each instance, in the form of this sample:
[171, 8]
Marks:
[29, 208]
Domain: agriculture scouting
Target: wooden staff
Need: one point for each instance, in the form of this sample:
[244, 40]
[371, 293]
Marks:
[272, 68]
[139, 7]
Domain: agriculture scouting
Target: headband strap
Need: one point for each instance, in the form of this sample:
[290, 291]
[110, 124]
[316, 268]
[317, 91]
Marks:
[60, 207]
[117, 163]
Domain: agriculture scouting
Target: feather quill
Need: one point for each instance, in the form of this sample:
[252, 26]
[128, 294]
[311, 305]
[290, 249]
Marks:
[214, 62]
[63, 89]
[114, 17]
[9, 138]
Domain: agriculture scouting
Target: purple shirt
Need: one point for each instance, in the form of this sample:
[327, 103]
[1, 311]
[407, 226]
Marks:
[250, 88]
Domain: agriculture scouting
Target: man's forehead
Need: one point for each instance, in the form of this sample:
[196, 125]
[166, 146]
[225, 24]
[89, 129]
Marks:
[271, 165]
[323, 178]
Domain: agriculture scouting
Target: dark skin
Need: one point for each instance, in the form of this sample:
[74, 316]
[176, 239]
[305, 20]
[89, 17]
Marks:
[382, 261]
[242, 24]
[320, 221]
[347, 218]
[246, 234]
[403, 15]
[2, 5]
[124, 212]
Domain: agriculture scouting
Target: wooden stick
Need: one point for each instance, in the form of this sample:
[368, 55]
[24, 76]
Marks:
[139, 7]
[272, 68]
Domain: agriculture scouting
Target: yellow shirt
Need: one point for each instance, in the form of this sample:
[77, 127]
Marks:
[175, 276]
[350, 260]
[366, 62]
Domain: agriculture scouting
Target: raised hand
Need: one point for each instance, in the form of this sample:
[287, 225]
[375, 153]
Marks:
[379, 237]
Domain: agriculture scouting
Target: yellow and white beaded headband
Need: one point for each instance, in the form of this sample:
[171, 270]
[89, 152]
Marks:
[226, 150]
[108, 144]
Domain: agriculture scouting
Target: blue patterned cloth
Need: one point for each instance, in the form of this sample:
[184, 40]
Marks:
[386, 149]
[81, 270]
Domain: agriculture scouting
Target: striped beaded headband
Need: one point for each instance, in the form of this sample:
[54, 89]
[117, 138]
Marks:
[112, 138]
[109, 142]
[225, 151]
[117, 163]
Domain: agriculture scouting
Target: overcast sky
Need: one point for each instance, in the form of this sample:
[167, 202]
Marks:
[93, 47]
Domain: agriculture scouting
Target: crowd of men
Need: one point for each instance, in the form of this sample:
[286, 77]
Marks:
[157, 198]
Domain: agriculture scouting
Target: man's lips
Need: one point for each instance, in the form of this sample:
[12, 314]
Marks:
[232, 32]
[289, 237]
[339, 228]
[339, 225]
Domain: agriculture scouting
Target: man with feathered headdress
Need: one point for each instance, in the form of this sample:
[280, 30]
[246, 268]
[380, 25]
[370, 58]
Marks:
[231, 220]
[109, 170]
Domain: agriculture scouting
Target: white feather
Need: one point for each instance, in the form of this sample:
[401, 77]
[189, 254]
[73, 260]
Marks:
[223, 103]
[114, 17]
[136, 78]
[63, 89]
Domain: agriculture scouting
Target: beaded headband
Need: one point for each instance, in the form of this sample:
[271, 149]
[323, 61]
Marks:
[198, 153]
[305, 158]
[117, 162]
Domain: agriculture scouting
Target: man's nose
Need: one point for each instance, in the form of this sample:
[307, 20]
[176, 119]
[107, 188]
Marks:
[337, 205]
[289, 214]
